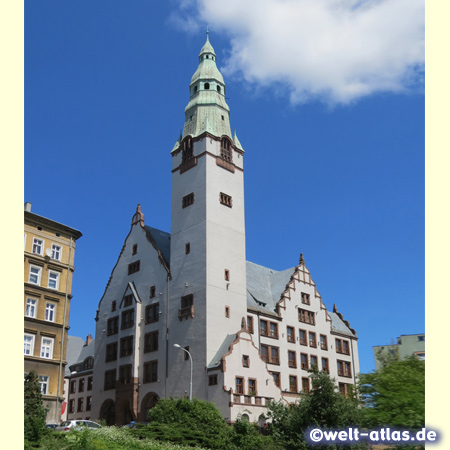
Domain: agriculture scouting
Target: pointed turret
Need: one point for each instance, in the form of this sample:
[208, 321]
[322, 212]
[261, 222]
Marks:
[207, 98]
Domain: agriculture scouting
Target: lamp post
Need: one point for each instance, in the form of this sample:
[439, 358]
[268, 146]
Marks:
[190, 359]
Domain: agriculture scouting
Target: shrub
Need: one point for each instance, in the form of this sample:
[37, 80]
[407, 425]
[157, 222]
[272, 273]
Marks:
[35, 413]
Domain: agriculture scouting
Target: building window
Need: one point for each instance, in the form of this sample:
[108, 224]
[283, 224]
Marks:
[239, 385]
[421, 338]
[73, 387]
[187, 307]
[305, 299]
[227, 312]
[344, 368]
[111, 352]
[134, 267]
[313, 361]
[304, 361]
[56, 252]
[188, 200]
[28, 341]
[47, 348]
[112, 326]
[292, 359]
[152, 313]
[113, 306]
[270, 354]
[88, 403]
[53, 280]
[43, 384]
[151, 342]
[206, 85]
[134, 251]
[251, 386]
[88, 363]
[212, 380]
[273, 330]
[312, 339]
[110, 379]
[126, 346]
[293, 383]
[152, 291]
[81, 385]
[31, 308]
[306, 316]
[50, 309]
[276, 378]
[250, 324]
[80, 404]
[151, 372]
[245, 361]
[290, 334]
[302, 337]
[128, 300]
[305, 385]
[90, 381]
[227, 275]
[323, 342]
[188, 148]
[225, 150]
[127, 319]
[38, 246]
[263, 327]
[71, 406]
[188, 248]
[342, 346]
[218, 89]
[325, 367]
[226, 200]
[125, 374]
[35, 275]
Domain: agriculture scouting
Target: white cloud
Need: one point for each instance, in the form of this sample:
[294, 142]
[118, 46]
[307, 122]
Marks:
[334, 50]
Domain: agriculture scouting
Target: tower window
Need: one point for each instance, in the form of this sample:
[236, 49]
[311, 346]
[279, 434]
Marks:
[225, 149]
[188, 200]
[152, 291]
[218, 90]
[227, 312]
[226, 200]
[227, 275]
[134, 267]
[188, 248]
[195, 89]
[135, 246]
[206, 85]
[188, 149]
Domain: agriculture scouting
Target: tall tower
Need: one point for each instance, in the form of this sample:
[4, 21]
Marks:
[207, 261]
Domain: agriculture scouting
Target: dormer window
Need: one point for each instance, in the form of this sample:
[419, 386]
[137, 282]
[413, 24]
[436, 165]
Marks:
[206, 85]
[225, 150]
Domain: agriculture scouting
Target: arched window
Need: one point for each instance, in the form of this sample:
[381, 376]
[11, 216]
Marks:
[206, 85]
[225, 150]
[188, 149]
[218, 89]
[195, 89]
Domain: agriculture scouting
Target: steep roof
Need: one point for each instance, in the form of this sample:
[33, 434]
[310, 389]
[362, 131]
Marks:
[74, 347]
[265, 286]
[161, 241]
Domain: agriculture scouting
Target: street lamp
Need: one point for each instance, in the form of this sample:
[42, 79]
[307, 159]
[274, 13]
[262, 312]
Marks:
[190, 359]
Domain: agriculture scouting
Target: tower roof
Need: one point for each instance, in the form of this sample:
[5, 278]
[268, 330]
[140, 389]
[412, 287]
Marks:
[207, 109]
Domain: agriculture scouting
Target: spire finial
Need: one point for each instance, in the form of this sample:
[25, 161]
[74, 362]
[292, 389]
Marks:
[207, 32]
[302, 260]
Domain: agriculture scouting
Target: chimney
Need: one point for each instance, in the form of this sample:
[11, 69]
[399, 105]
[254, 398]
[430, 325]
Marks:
[88, 339]
[28, 206]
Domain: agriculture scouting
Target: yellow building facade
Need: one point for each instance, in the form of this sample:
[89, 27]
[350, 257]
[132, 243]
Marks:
[49, 251]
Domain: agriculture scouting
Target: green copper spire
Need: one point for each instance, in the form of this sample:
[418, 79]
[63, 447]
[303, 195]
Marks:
[207, 109]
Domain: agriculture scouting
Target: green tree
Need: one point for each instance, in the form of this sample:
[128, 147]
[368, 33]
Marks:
[181, 421]
[395, 394]
[35, 413]
[324, 407]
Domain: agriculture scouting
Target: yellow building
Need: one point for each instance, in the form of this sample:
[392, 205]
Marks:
[48, 259]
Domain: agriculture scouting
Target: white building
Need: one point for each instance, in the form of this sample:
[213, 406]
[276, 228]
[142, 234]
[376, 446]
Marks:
[252, 332]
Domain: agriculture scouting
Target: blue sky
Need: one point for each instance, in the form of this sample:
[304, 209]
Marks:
[328, 104]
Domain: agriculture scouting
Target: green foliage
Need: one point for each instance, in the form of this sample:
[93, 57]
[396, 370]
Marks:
[194, 422]
[247, 436]
[35, 413]
[395, 394]
[324, 407]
